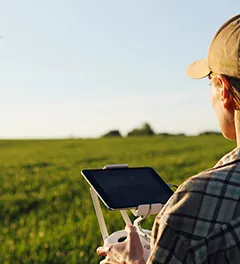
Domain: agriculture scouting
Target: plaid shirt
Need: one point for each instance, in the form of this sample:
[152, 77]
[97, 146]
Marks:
[201, 221]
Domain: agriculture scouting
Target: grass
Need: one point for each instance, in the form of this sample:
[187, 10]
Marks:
[46, 213]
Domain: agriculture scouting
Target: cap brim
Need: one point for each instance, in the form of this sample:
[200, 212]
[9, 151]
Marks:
[198, 69]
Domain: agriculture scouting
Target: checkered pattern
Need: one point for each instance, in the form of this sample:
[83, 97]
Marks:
[201, 221]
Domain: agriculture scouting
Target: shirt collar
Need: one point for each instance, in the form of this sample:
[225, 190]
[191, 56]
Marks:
[230, 157]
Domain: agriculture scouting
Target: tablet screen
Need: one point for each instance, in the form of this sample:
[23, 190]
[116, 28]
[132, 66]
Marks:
[128, 187]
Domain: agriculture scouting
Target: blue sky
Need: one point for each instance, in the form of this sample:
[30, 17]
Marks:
[82, 68]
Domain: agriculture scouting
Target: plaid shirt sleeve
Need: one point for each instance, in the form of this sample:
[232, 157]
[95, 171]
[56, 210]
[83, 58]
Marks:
[171, 231]
[201, 221]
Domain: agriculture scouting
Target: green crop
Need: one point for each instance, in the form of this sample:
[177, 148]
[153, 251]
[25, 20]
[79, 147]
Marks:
[46, 213]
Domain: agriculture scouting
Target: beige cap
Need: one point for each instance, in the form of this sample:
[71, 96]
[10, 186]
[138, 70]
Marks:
[223, 53]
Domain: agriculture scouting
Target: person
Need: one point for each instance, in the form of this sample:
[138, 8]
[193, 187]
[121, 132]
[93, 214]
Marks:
[200, 223]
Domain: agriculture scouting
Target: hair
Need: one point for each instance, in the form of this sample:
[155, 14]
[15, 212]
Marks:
[234, 89]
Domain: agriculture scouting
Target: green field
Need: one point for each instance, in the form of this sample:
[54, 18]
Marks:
[46, 213]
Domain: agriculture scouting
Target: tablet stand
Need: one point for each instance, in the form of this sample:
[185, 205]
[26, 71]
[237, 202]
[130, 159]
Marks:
[142, 211]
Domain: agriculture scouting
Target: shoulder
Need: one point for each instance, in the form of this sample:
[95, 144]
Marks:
[197, 197]
[210, 180]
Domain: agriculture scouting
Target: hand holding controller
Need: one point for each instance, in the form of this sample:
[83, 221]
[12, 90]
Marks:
[121, 236]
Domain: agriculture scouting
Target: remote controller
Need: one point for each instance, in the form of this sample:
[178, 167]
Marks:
[120, 236]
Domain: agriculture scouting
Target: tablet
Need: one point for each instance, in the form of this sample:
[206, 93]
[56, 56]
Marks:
[127, 188]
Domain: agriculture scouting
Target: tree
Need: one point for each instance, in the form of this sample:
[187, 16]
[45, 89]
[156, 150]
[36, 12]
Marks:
[112, 133]
[210, 133]
[144, 130]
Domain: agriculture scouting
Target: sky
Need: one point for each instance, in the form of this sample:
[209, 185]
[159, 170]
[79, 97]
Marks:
[80, 68]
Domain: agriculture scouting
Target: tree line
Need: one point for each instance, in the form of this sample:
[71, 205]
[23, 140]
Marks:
[147, 130]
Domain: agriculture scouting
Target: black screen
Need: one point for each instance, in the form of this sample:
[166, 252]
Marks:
[130, 187]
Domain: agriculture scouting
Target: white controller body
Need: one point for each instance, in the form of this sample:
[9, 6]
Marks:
[120, 236]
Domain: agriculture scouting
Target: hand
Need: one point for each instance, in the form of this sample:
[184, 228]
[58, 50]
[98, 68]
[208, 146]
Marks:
[129, 251]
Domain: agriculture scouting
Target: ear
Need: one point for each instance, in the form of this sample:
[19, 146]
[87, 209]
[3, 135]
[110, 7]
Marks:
[225, 93]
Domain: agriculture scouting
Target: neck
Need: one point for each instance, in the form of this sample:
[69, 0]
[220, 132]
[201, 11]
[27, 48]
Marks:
[238, 142]
[237, 127]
